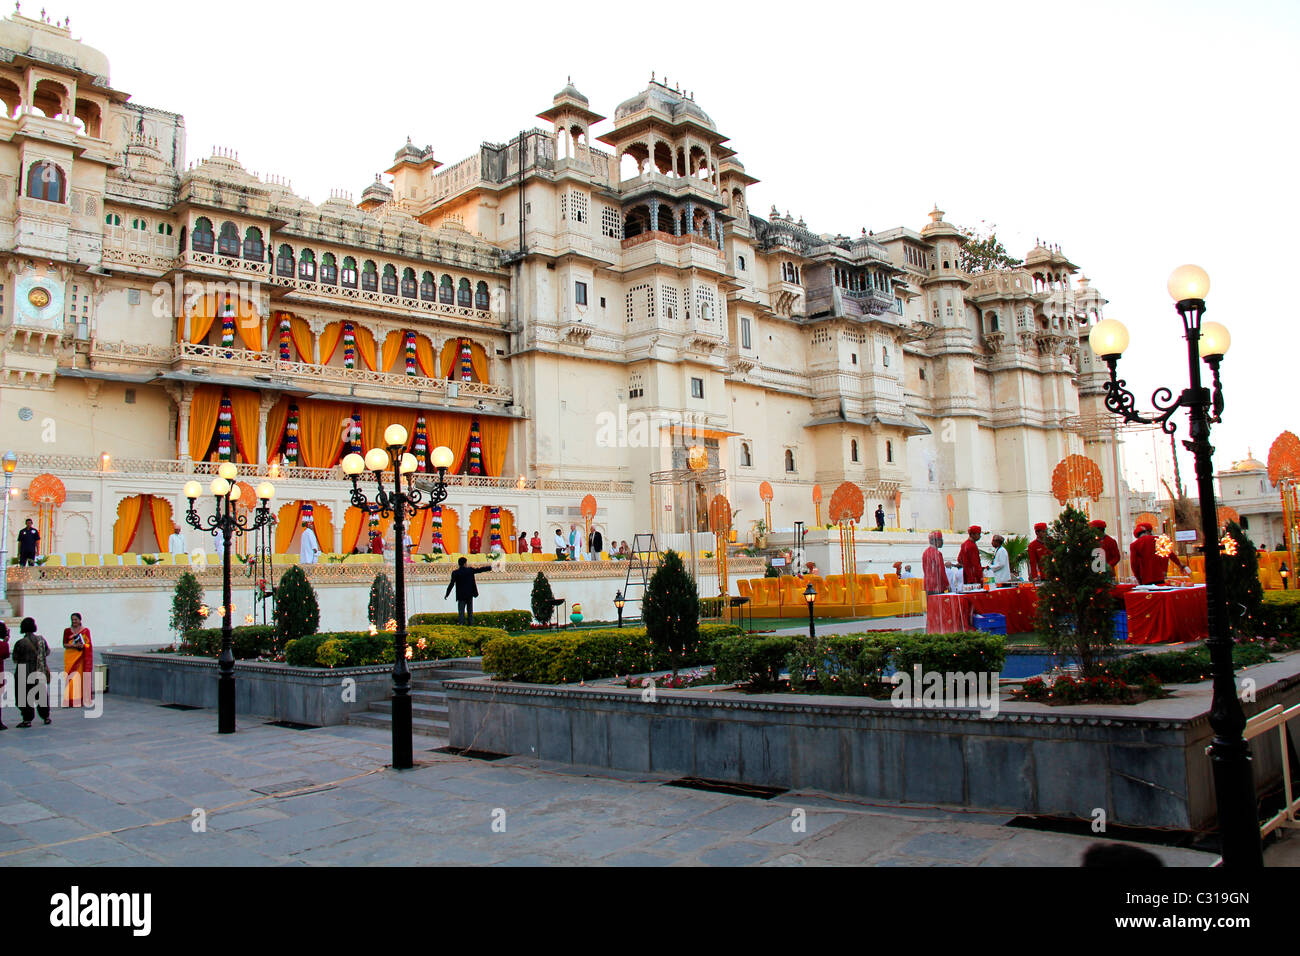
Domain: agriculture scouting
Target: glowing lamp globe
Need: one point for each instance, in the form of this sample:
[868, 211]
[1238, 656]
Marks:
[394, 435]
[353, 464]
[10, 462]
[377, 459]
[1189, 282]
[227, 470]
[1108, 337]
[193, 489]
[1215, 340]
[442, 457]
[409, 463]
[266, 491]
[235, 492]
[219, 487]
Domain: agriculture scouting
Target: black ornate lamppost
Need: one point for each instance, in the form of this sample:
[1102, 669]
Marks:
[227, 525]
[619, 602]
[400, 504]
[810, 595]
[1234, 783]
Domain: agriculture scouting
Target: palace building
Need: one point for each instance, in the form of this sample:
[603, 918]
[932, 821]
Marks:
[569, 318]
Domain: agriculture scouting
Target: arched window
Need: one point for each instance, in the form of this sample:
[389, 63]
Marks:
[789, 460]
[853, 449]
[113, 219]
[889, 450]
[203, 240]
[254, 248]
[446, 292]
[307, 266]
[746, 456]
[284, 262]
[349, 276]
[228, 241]
[884, 355]
[408, 284]
[481, 298]
[329, 270]
[45, 181]
[464, 297]
[740, 263]
[164, 229]
[388, 283]
[139, 224]
[369, 276]
[428, 288]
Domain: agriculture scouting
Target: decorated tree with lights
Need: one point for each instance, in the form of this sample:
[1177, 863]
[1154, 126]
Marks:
[1243, 593]
[543, 597]
[187, 599]
[382, 601]
[297, 613]
[670, 610]
[1075, 606]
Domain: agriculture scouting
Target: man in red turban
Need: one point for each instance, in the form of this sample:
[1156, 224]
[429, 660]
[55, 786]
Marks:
[1109, 546]
[969, 557]
[1143, 558]
[932, 566]
[1037, 551]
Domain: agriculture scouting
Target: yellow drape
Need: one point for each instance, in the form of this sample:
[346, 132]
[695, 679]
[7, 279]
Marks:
[418, 524]
[375, 420]
[245, 409]
[320, 432]
[276, 420]
[161, 512]
[392, 348]
[329, 340]
[365, 346]
[204, 409]
[478, 361]
[286, 528]
[206, 312]
[495, 433]
[354, 519]
[447, 357]
[452, 430]
[300, 332]
[128, 519]
[509, 538]
[424, 357]
[450, 531]
[356, 531]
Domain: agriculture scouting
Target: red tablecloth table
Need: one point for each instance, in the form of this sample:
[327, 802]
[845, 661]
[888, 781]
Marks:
[945, 613]
[1176, 615]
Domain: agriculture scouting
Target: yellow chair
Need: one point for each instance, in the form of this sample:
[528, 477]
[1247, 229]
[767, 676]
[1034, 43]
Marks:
[129, 559]
[54, 561]
[352, 559]
[166, 557]
[604, 555]
[74, 560]
[181, 560]
[92, 560]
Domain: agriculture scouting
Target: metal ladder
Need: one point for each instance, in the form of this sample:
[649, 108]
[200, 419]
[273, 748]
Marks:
[641, 567]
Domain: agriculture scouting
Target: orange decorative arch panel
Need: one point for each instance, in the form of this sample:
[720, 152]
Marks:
[847, 503]
[719, 514]
[1076, 476]
[589, 507]
[46, 490]
[1284, 458]
[765, 491]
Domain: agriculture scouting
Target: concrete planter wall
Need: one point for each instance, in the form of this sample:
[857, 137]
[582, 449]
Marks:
[1031, 759]
[305, 695]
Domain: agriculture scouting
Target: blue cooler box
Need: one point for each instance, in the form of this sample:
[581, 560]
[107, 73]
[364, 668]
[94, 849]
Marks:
[990, 623]
[1121, 626]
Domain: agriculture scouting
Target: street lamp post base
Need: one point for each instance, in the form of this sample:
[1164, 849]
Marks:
[226, 704]
[402, 747]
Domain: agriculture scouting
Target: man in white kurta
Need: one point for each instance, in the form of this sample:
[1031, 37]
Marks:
[308, 546]
[1001, 566]
[176, 543]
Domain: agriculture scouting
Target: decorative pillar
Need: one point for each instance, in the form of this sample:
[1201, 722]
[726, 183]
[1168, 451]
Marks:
[268, 400]
[690, 217]
[677, 222]
[316, 330]
[183, 420]
[713, 226]
[654, 213]
[340, 511]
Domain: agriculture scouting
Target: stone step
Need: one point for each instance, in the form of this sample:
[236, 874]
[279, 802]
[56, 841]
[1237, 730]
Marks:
[429, 711]
[419, 725]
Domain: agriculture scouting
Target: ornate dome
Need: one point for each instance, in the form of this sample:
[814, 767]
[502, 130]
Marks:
[571, 92]
[1249, 463]
[53, 43]
[672, 103]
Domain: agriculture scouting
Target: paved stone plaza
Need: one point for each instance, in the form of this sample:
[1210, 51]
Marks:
[122, 790]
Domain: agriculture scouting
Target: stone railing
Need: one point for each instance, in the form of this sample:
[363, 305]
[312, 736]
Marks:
[656, 235]
[388, 300]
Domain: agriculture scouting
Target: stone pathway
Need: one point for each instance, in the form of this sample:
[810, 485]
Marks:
[123, 790]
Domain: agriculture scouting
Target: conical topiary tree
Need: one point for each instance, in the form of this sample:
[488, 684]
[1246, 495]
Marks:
[296, 612]
[670, 610]
[187, 598]
[1075, 606]
[382, 601]
[1242, 591]
[542, 598]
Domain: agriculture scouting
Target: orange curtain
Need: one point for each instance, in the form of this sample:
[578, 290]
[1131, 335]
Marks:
[509, 537]
[300, 332]
[374, 420]
[478, 360]
[452, 430]
[354, 519]
[447, 358]
[323, 520]
[276, 420]
[207, 311]
[286, 528]
[495, 433]
[204, 409]
[424, 358]
[365, 346]
[128, 519]
[418, 524]
[356, 531]
[161, 512]
[392, 347]
[450, 529]
[329, 341]
[320, 432]
[245, 409]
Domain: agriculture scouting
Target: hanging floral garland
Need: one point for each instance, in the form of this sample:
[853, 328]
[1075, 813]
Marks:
[435, 540]
[420, 448]
[307, 513]
[410, 353]
[291, 436]
[466, 363]
[354, 434]
[349, 345]
[374, 522]
[227, 326]
[224, 418]
[494, 514]
[475, 449]
[284, 337]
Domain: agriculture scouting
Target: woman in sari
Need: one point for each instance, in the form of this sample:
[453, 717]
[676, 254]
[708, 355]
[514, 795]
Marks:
[78, 663]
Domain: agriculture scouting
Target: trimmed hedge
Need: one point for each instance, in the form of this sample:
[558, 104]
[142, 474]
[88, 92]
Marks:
[756, 660]
[250, 641]
[561, 658]
[839, 664]
[361, 648]
[1180, 667]
[1280, 617]
[505, 620]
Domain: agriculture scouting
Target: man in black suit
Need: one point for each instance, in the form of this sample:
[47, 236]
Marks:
[595, 544]
[462, 579]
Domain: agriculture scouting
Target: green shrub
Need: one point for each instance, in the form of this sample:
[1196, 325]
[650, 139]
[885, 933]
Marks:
[296, 610]
[1242, 591]
[567, 657]
[1181, 667]
[541, 599]
[250, 641]
[671, 610]
[361, 648]
[506, 620]
[756, 660]
[959, 652]
[187, 598]
[331, 653]
[380, 610]
[1279, 617]
[839, 663]
[1075, 604]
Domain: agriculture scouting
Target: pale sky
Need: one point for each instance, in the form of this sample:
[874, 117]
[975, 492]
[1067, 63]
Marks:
[1136, 135]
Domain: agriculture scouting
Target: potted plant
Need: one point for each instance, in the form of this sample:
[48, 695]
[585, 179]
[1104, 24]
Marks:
[760, 534]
